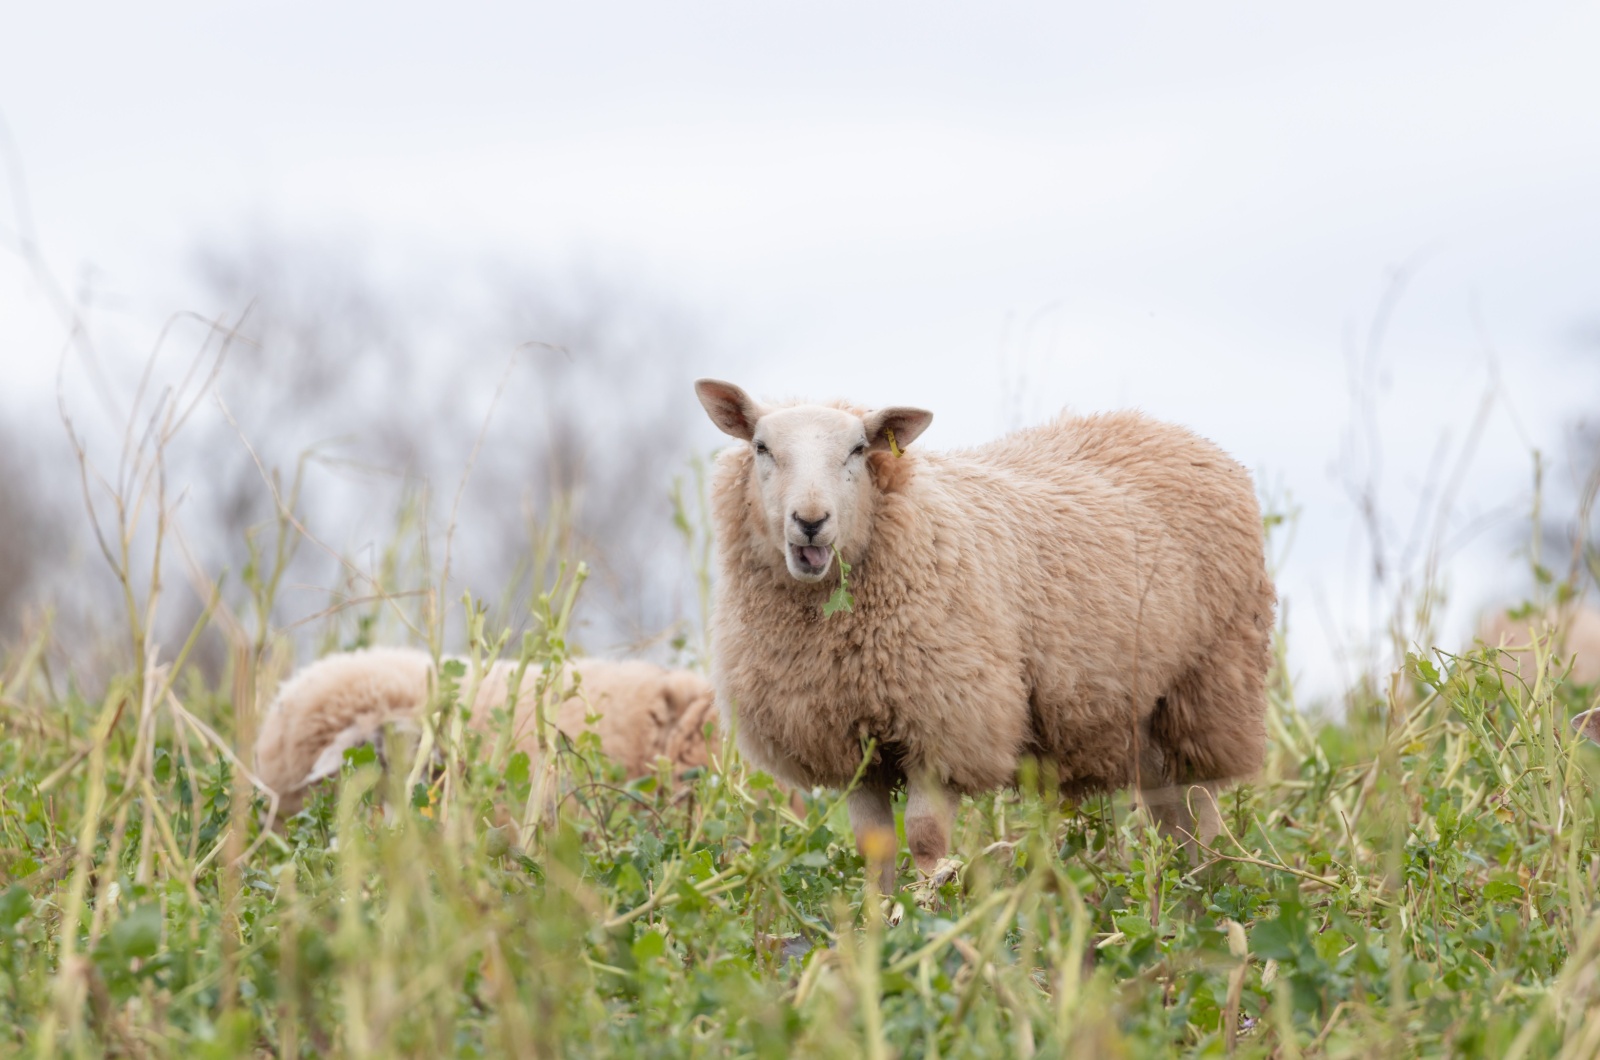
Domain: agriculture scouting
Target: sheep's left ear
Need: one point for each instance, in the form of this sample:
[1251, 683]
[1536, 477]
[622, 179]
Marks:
[1588, 724]
[906, 423]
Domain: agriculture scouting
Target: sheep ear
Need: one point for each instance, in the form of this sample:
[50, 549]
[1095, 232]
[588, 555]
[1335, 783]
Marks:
[331, 760]
[1588, 724]
[906, 423]
[730, 408]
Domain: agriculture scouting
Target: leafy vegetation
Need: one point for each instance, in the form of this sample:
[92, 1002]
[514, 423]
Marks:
[841, 598]
[1418, 879]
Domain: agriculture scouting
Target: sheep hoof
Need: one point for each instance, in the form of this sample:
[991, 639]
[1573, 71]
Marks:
[944, 872]
[926, 890]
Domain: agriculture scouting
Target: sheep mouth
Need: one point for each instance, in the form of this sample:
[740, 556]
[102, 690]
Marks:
[809, 562]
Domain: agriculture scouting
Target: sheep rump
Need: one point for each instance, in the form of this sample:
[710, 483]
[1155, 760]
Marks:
[1092, 592]
[341, 701]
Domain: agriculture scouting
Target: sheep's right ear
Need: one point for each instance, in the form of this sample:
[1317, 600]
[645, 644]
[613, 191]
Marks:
[729, 407]
[906, 423]
[1588, 724]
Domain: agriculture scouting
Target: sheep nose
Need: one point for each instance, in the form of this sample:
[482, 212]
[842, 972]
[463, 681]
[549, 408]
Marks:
[810, 527]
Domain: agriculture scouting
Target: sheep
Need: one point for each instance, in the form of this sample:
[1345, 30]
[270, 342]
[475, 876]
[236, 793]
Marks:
[1092, 592]
[1573, 632]
[344, 700]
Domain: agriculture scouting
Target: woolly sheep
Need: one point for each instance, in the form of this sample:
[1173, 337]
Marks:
[342, 701]
[1574, 637]
[1092, 592]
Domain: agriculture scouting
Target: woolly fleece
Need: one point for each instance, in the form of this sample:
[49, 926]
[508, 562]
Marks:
[341, 701]
[1092, 592]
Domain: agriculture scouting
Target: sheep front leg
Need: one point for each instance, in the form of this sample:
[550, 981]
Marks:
[1186, 812]
[872, 820]
[930, 819]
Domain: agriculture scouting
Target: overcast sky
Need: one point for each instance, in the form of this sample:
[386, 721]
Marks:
[1191, 209]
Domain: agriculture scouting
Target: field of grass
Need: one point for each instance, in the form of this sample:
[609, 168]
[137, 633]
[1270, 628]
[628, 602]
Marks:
[1417, 880]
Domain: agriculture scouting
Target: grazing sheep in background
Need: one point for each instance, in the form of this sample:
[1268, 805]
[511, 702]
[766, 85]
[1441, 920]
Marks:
[1092, 592]
[1576, 629]
[1574, 632]
[344, 700]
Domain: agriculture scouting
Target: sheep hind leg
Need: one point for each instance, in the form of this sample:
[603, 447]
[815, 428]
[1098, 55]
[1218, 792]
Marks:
[1211, 724]
[1189, 814]
[930, 820]
[872, 820]
[1209, 729]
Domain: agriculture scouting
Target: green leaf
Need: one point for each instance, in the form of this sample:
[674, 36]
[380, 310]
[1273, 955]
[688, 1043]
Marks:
[1133, 925]
[841, 600]
[354, 757]
[15, 904]
[451, 671]
[1425, 669]
[1502, 891]
[1274, 940]
[517, 772]
[690, 900]
[699, 866]
[648, 946]
[1329, 945]
[628, 879]
[139, 933]
[895, 983]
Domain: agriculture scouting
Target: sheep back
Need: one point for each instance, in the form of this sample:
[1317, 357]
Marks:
[644, 711]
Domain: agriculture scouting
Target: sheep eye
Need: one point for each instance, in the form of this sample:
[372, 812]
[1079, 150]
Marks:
[761, 448]
[858, 450]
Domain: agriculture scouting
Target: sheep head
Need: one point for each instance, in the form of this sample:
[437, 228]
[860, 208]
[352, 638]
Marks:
[810, 470]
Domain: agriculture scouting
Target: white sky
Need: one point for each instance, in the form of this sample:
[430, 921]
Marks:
[992, 213]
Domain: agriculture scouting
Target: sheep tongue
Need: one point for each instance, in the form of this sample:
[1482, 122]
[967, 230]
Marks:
[814, 556]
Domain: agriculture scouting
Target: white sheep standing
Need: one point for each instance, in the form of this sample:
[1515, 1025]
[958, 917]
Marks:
[1092, 592]
[344, 700]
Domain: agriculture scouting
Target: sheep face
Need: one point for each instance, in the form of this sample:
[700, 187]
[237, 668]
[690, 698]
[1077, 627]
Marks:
[810, 469]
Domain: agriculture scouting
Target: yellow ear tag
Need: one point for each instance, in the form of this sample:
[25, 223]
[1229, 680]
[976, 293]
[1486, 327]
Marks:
[893, 447]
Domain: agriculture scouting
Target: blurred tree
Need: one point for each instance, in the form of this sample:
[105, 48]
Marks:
[31, 531]
[384, 382]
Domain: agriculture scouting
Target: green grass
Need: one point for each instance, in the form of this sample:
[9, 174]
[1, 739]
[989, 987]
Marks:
[1421, 881]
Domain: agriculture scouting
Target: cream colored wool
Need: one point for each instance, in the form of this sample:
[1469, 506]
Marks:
[1092, 592]
[342, 701]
